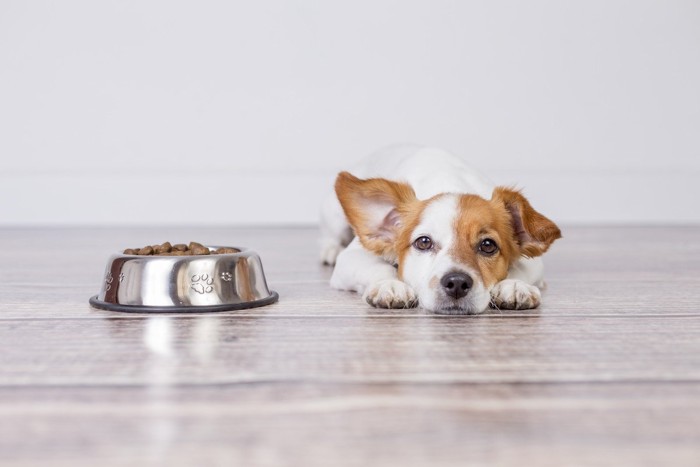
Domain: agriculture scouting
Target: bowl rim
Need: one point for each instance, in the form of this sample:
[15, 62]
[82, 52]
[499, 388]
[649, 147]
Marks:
[99, 304]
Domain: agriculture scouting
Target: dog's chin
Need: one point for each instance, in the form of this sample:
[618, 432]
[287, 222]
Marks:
[455, 307]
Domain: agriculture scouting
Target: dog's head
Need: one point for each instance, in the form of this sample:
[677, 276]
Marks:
[452, 248]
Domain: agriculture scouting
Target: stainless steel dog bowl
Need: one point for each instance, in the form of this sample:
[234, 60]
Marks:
[197, 283]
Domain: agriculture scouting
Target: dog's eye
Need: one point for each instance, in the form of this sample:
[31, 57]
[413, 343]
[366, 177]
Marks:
[423, 243]
[488, 247]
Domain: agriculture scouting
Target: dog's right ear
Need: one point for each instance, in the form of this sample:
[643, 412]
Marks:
[534, 233]
[373, 208]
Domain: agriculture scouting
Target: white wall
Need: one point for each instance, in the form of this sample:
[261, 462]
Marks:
[137, 112]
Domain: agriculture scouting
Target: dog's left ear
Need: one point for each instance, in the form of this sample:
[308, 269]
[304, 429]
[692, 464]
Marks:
[533, 232]
[373, 208]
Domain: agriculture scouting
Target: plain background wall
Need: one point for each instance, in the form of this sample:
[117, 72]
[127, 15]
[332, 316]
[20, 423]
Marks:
[232, 112]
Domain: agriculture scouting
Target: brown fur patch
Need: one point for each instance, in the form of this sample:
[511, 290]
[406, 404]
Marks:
[477, 220]
[377, 210]
[434, 283]
[534, 233]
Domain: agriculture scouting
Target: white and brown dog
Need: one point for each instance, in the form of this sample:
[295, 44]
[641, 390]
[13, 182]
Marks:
[432, 231]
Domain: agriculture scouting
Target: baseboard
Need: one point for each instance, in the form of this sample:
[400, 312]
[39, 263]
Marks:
[274, 198]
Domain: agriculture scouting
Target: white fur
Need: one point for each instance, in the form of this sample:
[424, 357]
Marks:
[515, 294]
[430, 172]
[390, 293]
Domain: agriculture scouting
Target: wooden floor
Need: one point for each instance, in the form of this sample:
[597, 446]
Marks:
[606, 372]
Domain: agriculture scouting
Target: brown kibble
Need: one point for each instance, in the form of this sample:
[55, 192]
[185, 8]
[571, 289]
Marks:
[164, 248]
[145, 251]
[200, 250]
[179, 249]
[225, 251]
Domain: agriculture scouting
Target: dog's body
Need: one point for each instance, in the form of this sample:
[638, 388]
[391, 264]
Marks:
[431, 230]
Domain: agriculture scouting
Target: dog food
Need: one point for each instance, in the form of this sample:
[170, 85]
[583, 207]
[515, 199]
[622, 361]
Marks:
[179, 249]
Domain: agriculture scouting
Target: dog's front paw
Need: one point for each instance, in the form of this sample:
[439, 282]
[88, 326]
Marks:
[390, 293]
[512, 294]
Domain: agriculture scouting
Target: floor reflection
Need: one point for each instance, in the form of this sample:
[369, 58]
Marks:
[158, 336]
[198, 338]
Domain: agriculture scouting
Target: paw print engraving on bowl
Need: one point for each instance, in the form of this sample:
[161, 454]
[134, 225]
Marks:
[108, 280]
[226, 276]
[202, 283]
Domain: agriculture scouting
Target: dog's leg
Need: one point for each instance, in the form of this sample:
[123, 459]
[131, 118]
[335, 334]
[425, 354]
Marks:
[335, 230]
[362, 271]
[521, 289]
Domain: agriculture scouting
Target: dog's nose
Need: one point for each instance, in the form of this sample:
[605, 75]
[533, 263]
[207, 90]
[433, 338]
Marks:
[457, 284]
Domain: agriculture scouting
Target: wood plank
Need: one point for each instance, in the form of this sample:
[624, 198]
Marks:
[224, 349]
[563, 297]
[354, 425]
[591, 272]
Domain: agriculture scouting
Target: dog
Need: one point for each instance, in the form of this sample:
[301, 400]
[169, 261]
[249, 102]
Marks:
[418, 226]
